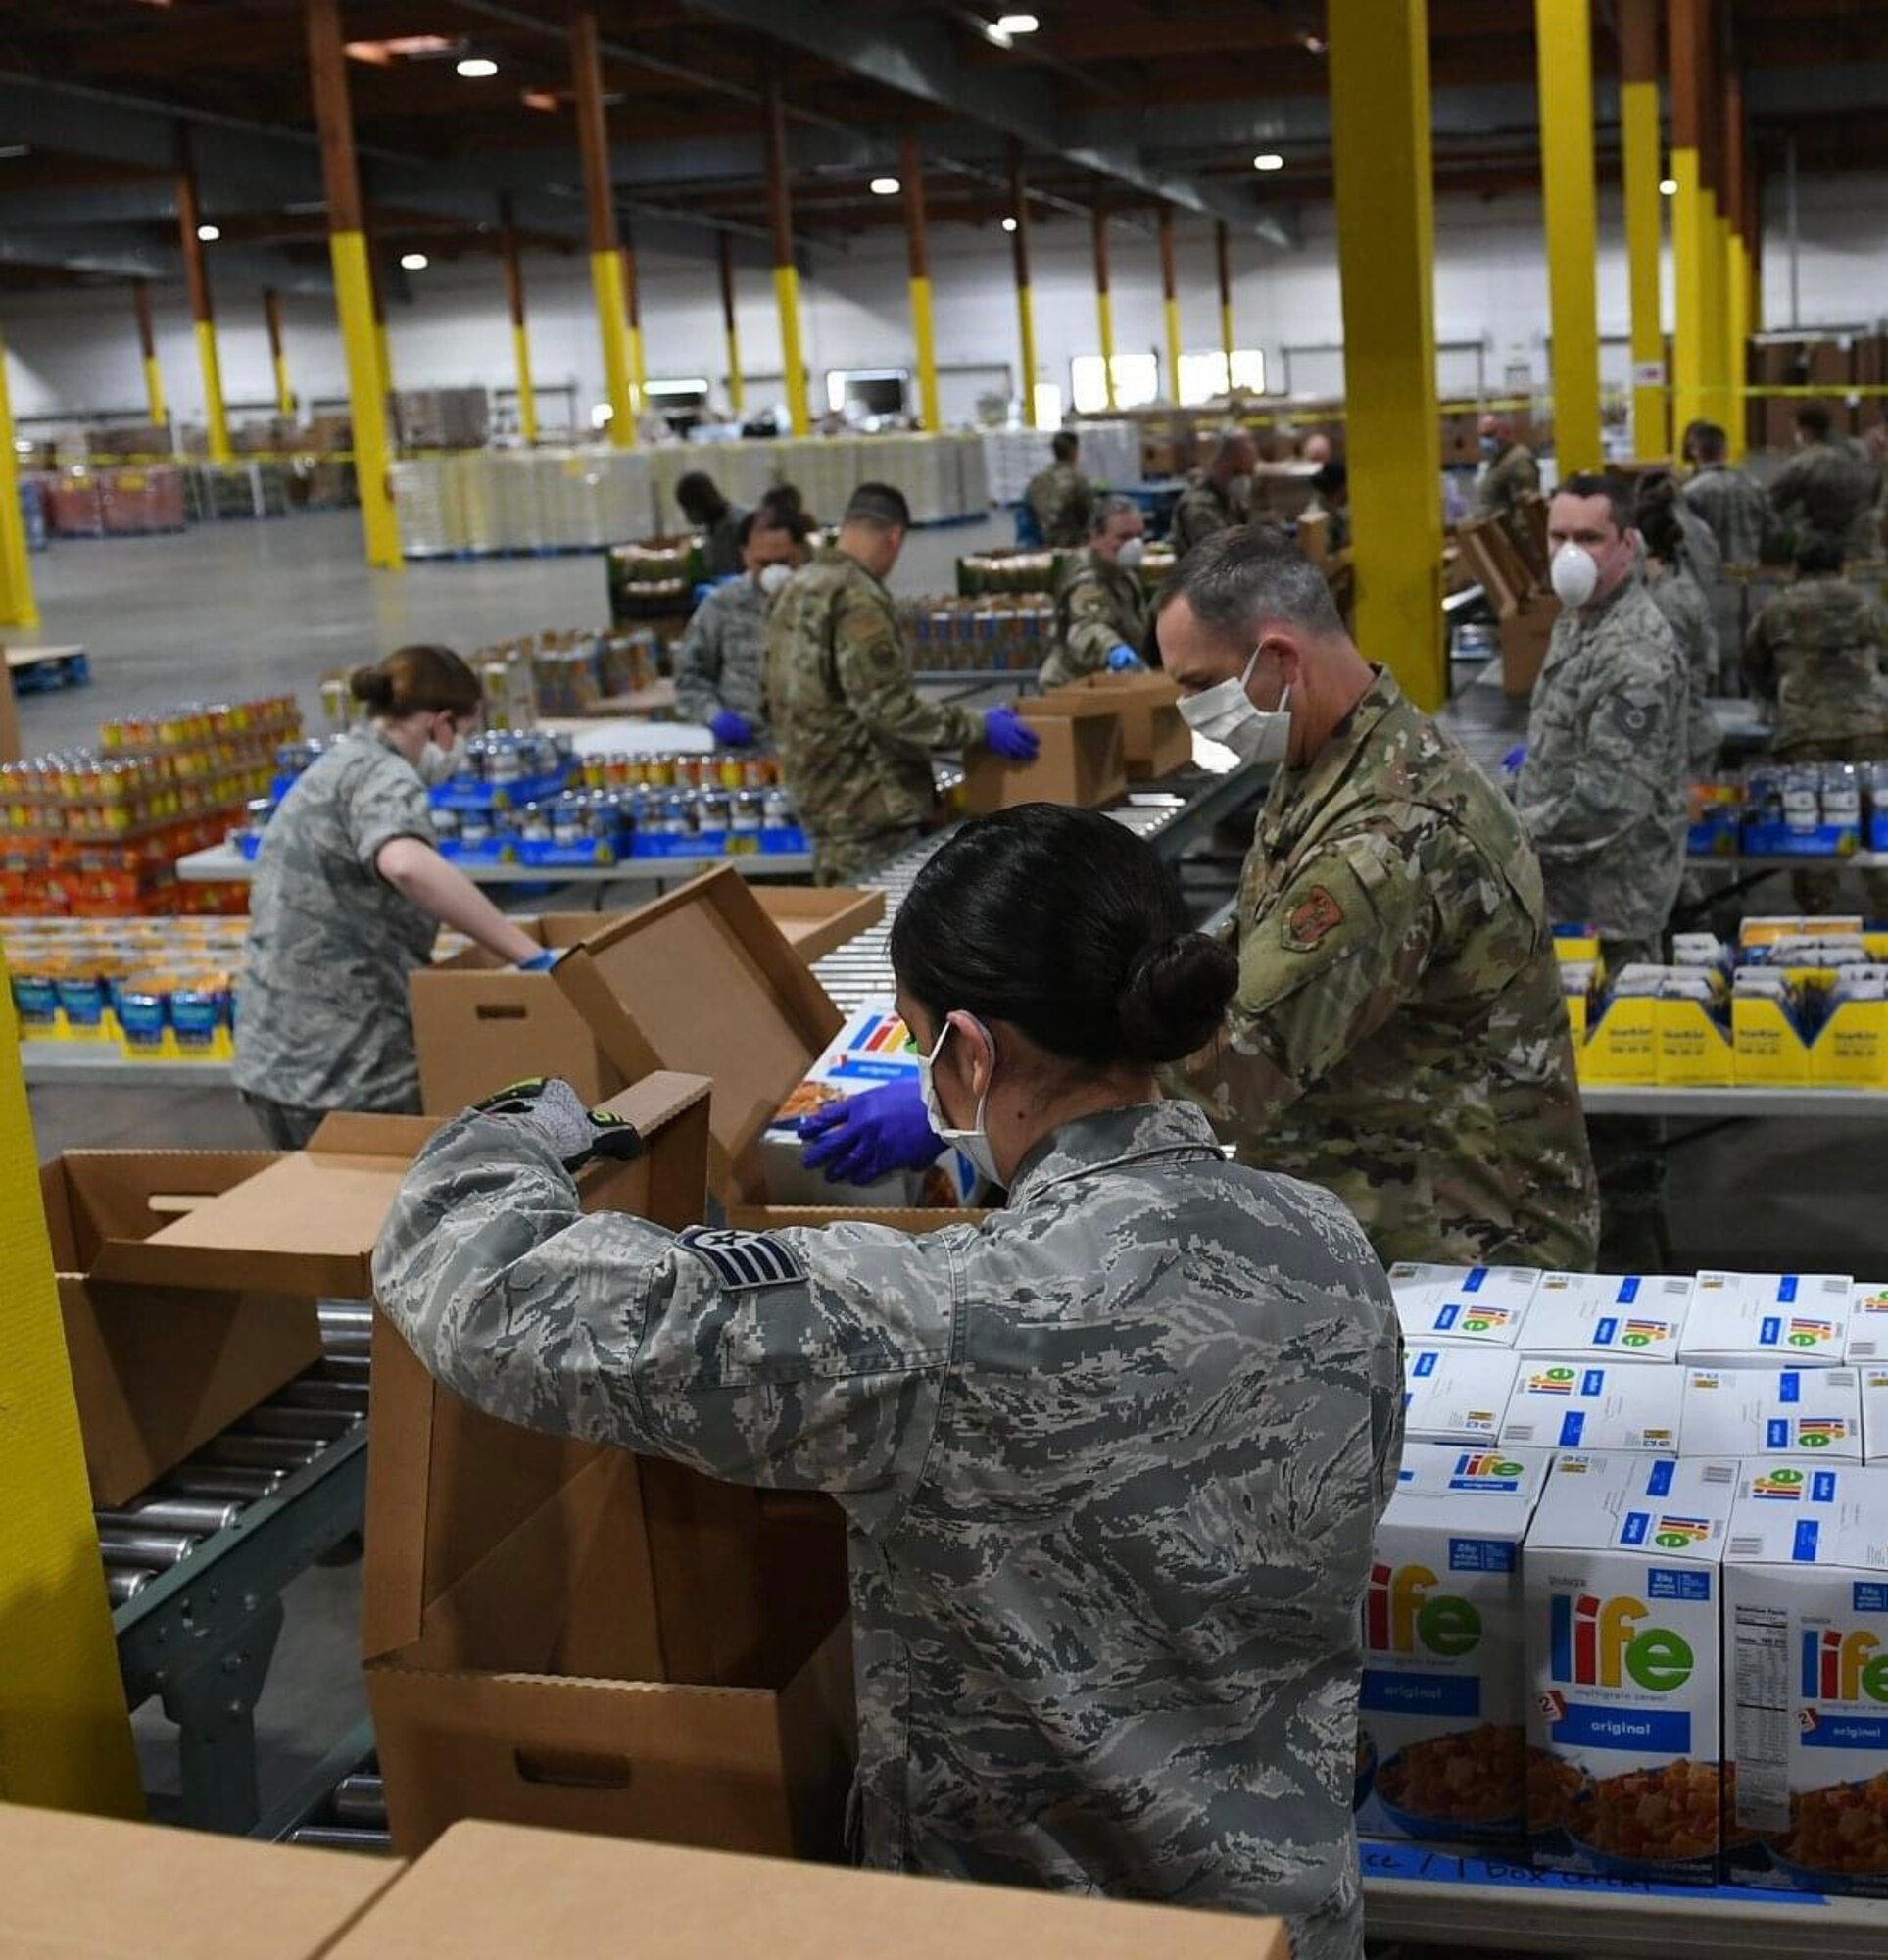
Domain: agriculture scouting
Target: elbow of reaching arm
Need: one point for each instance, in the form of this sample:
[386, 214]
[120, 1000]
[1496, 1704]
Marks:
[402, 862]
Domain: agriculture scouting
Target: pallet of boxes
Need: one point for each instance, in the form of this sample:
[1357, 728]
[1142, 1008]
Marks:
[1510, 564]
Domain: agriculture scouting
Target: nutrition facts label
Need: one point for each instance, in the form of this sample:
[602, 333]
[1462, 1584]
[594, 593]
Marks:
[1761, 1723]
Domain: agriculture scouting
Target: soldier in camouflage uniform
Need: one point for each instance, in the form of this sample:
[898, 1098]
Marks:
[718, 667]
[1060, 498]
[1101, 606]
[1399, 1034]
[349, 894]
[1816, 650]
[1511, 474]
[1731, 503]
[1220, 498]
[855, 737]
[1682, 606]
[1110, 1461]
[1827, 494]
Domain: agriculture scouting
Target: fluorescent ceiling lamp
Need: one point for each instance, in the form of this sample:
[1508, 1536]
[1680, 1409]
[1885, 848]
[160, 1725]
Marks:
[996, 36]
[1018, 24]
[208, 234]
[885, 186]
[1009, 225]
[1268, 159]
[402, 47]
[413, 261]
[478, 68]
[16, 149]
[1668, 187]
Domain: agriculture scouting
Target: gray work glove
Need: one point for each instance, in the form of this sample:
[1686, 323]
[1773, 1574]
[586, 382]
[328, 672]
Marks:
[554, 1112]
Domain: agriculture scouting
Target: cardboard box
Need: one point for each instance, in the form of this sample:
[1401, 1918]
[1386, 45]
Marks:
[1607, 1316]
[158, 1370]
[1484, 1306]
[1620, 1568]
[1081, 762]
[1569, 1404]
[1807, 1412]
[490, 1893]
[1868, 1322]
[1766, 1319]
[815, 922]
[1874, 1413]
[1806, 1614]
[1525, 636]
[1442, 1720]
[1455, 1395]
[1154, 740]
[96, 1889]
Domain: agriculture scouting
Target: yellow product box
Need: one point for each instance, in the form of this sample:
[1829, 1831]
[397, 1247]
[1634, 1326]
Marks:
[1851, 1050]
[1767, 1049]
[1623, 1046]
[1577, 1011]
[1576, 946]
[1694, 1048]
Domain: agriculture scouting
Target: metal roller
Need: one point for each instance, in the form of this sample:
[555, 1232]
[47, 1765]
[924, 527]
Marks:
[310, 1425]
[340, 1837]
[197, 1479]
[360, 1800]
[348, 1348]
[135, 1549]
[182, 1514]
[260, 1453]
[346, 1368]
[122, 1586]
[314, 1393]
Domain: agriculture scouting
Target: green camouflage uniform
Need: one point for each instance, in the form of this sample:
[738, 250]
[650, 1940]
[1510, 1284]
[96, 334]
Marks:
[1505, 481]
[1061, 499]
[721, 660]
[1735, 508]
[854, 735]
[1098, 606]
[1399, 1034]
[1826, 496]
[1681, 604]
[322, 1014]
[1204, 510]
[1110, 1465]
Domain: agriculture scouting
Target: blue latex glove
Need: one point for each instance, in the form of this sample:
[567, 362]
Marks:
[702, 590]
[540, 962]
[730, 730]
[1511, 763]
[1009, 735]
[868, 1137]
[1123, 660]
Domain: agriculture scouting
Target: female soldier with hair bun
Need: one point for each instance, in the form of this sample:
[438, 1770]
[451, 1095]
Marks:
[1110, 1460]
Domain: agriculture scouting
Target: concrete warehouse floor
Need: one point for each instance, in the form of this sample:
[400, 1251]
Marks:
[241, 609]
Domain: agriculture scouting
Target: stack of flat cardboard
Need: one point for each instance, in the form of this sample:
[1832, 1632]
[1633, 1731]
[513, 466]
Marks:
[1524, 609]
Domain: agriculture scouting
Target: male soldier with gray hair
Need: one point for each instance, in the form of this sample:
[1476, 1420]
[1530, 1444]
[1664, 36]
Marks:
[1100, 604]
[1399, 1034]
[1220, 497]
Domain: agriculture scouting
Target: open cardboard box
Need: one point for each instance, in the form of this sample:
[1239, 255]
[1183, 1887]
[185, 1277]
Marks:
[816, 921]
[158, 1370]
[487, 1891]
[1154, 740]
[1524, 614]
[96, 1889]
[1082, 761]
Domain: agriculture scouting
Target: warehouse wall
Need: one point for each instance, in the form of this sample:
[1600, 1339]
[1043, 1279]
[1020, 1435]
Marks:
[75, 352]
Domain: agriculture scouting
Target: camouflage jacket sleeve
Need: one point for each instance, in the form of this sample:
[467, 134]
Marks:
[1617, 783]
[697, 667]
[385, 801]
[875, 677]
[1344, 945]
[1093, 634]
[1787, 491]
[809, 1360]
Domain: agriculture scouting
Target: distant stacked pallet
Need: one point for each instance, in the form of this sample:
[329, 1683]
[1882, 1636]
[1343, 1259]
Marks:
[81, 501]
[1110, 453]
[488, 503]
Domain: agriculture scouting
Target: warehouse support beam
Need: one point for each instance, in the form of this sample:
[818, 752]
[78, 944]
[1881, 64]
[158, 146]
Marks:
[17, 606]
[352, 283]
[1380, 109]
[633, 319]
[780, 219]
[1710, 183]
[148, 351]
[1564, 45]
[1684, 40]
[383, 339]
[605, 266]
[1223, 255]
[1737, 324]
[278, 358]
[1103, 298]
[197, 276]
[1170, 301]
[1025, 302]
[730, 326]
[1641, 169]
[512, 257]
[917, 238]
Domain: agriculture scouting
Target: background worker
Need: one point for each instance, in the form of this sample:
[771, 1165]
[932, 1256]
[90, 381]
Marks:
[1110, 1461]
[1101, 606]
[718, 521]
[1331, 501]
[1826, 495]
[1060, 498]
[1731, 502]
[1217, 497]
[1511, 475]
[1682, 606]
[350, 893]
[855, 737]
[719, 665]
[1815, 651]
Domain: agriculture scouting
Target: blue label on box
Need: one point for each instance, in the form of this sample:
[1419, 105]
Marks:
[1844, 1731]
[1449, 1316]
[1603, 1333]
[1425, 1364]
[1870, 1596]
[1593, 1382]
[1653, 1730]
[1473, 1282]
[1387, 1692]
[1822, 1486]
[1637, 1525]
[1777, 1434]
[1786, 1289]
[1803, 1549]
[1789, 1385]
[1481, 1554]
[1659, 1484]
[1769, 1331]
[1665, 1582]
[1628, 1290]
[1572, 1424]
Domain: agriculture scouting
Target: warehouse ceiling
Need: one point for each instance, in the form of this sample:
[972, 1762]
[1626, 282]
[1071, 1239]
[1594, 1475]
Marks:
[1131, 104]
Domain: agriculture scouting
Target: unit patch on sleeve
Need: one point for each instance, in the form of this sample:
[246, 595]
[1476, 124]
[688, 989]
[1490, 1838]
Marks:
[744, 1260]
[1311, 918]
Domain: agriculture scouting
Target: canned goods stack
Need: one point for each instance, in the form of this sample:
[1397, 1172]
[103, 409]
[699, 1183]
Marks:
[1012, 571]
[1813, 809]
[994, 633]
[653, 580]
[158, 989]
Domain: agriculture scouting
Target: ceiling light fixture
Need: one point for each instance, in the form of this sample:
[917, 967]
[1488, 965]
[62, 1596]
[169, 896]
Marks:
[1268, 159]
[885, 186]
[1313, 44]
[402, 47]
[1018, 24]
[478, 68]
[1667, 186]
[1009, 225]
[208, 234]
[996, 36]
[413, 261]
[15, 150]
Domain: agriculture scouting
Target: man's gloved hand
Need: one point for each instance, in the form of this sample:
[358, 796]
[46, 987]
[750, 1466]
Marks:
[730, 730]
[554, 1112]
[1124, 659]
[1009, 735]
[868, 1137]
[540, 962]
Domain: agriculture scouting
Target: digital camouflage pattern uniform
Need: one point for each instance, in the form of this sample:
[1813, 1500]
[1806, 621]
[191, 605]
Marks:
[1110, 1463]
[1815, 649]
[1203, 511]
[1061, 499]
[855, 737]
[1506, 480]
[1399, 1034]
[1099, 606]
[1735, 508]
[1682, 606]
[1826, 495]
[322, 1014]
[721, 662]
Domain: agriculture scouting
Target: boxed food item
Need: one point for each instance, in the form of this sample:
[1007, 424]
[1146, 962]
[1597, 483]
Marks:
[1081, 762]
[1868, 1321]
[1620, 1568]
[1456, 1305]
[1573, 1405]
[1736, 1319]
[1455, 1394]
[1772, 1412]
[1442, 1715]
[1607, 1317]
[1806, 1619]
[1156, 740]
[1874, 1413]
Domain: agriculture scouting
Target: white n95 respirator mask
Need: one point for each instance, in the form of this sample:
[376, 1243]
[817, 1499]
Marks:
[1575, 575]
[1131, 551]
[1225, 715]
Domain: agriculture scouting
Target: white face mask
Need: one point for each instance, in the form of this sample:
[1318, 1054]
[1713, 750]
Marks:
[1131, 551]
[1575, 575]
[435, 765]
[1225, 715]
[772, 578]
[974, 1143]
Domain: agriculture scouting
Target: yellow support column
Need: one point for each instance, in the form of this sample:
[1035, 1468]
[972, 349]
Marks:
[1104, 299]
[1380, 115]
[352, 283]
[1684, 29]
[605, 264]
[1638, 23]
[277, 356]
[1170, 300]
[512, 261]
[148, 352]
[1736, 264]
[17, 607]
[780, 217]
[633, 320]
[1025, 305]
[917, 240]
[730, 327]
[197, 275]
[1563, 40]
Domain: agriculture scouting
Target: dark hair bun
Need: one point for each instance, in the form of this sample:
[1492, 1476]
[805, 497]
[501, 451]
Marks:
[373, 685]
[1176, 995]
